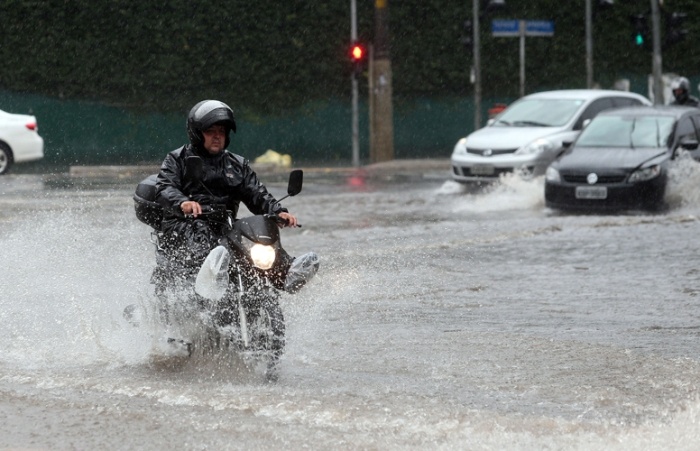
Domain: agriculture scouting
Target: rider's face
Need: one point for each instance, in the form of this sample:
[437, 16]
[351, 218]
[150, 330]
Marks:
[214, 138]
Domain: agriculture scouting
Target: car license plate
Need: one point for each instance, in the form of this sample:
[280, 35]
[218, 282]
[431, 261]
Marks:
[591, 192]
[482, 170]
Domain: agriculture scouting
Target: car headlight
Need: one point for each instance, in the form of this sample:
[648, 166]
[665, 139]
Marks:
[460, 147]
[536, 147]
[644, 174]
[263, 256]
[552, 175]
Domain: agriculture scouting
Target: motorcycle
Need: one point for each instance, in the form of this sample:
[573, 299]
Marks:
[233, 297]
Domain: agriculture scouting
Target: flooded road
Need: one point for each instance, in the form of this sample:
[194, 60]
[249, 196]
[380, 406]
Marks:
[440, 319]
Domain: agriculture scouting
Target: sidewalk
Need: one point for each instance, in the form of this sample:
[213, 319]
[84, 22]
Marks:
[438, 168]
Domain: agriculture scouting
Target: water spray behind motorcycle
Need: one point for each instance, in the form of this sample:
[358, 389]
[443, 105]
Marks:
[235, 291]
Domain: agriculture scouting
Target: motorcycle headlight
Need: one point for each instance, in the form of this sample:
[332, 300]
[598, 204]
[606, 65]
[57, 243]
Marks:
[644, 174]
[552, 175]
[537, 146]
[263, 256]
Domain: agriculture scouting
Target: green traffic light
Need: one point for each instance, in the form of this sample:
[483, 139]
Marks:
[639, 39]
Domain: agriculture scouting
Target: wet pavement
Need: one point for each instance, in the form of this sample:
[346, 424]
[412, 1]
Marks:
[441, 318]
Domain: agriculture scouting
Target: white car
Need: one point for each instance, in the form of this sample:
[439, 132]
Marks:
[528, 135]
[19, 140]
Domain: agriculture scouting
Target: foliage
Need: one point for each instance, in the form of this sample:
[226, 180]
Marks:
[270, 56]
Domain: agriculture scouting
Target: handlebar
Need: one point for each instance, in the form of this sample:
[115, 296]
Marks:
[214, 209]
[279, 220]
[207, 210]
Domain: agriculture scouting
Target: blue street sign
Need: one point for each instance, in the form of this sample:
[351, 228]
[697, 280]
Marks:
[511, 28]
[505, 28]
[539, 28]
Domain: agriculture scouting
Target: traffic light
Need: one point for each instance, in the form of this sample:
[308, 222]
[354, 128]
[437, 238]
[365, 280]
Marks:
[468, 36]
[674, 31]
[358, 55]
[641, 29]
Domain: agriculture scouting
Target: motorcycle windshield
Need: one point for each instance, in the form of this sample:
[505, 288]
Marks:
[258, 229]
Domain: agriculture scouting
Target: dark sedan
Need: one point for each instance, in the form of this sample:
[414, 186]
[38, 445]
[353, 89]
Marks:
[620, 160]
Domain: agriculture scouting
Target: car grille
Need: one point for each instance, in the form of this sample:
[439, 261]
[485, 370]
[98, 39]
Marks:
[496, 172]
[492, 151]
[581, 178]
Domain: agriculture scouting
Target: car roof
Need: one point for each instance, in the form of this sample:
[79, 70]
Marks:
[656, 110]
[582, 94]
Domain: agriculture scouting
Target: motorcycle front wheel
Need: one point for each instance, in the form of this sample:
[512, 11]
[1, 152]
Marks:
[266, 332]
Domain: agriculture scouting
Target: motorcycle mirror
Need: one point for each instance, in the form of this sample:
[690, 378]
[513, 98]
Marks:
[193, 166]
[296, 179]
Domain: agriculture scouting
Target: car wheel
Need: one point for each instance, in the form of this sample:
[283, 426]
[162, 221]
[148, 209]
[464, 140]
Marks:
[5, 158]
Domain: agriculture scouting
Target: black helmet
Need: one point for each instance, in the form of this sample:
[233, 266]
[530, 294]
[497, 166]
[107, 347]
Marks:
[680, 88]
[205, 114]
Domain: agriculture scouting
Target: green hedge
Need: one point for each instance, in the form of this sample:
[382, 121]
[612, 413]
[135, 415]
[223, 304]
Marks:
[268, 56]
[111, 81]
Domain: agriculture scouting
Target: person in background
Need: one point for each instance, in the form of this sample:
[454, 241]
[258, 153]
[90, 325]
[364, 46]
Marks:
[681, 93]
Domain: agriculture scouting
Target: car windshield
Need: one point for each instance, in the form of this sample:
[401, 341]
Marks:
[539, 112]
[627, 132]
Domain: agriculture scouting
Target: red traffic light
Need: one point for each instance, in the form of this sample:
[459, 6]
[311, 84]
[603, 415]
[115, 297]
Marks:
[357, 53]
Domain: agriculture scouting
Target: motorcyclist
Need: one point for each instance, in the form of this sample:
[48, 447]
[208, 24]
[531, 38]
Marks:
[681, 93]
[187, 236]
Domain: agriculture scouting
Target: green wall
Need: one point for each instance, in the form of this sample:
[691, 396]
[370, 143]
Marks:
[84, 133]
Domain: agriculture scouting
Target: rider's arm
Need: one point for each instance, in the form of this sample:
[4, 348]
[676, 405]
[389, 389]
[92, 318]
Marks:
[169, 183]
[253, 193]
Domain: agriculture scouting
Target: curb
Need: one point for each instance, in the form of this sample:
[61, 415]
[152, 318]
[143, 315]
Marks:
[389, 170]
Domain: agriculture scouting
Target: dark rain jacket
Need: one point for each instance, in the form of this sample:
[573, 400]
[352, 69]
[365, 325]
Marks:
[227, 179]
[689, 101]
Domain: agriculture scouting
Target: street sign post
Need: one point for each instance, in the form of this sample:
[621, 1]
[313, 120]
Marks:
[513, 28]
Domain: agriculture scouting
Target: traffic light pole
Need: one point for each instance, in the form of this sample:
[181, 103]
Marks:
[657, 70]
[355, 92]
[589, 44]
[477, 65]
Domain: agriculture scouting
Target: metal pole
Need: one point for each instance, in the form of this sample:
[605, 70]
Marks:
[657, 70]
[355, 92]
[383, 140]
[477, 65]
[522, 58]
[589, 44]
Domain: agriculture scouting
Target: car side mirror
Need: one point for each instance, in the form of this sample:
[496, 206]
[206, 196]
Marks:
[585, 123]
[566, 144]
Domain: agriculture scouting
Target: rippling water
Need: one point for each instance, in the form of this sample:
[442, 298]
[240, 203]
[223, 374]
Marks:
[440, 319]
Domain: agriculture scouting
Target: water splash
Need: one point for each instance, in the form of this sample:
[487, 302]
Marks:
[683, 190]
[69, 276]
[510, 192]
